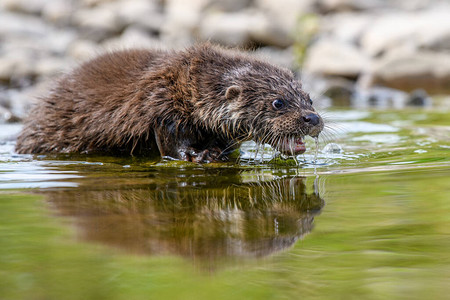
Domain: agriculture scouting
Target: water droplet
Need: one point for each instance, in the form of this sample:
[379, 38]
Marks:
[332, 148]
[420, 151]
[316, 139]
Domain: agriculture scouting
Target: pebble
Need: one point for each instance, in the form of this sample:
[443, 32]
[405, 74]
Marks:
[334, 58]
[399, 45]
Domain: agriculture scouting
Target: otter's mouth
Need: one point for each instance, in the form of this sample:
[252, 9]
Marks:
[291, 146]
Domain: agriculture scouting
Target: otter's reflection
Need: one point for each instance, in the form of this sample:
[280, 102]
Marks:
[218, 215]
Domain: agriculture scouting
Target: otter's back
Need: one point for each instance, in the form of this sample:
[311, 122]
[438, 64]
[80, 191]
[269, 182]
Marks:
[63, 121]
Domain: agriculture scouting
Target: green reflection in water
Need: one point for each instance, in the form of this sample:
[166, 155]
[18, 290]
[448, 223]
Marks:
[386, 239]
[130, 228]
[383, 235]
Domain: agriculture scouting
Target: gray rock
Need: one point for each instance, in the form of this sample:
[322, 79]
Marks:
[5, 105]
[434, 30]
[56, 42]
[316, 87]
[133, 37]
[271, 33]
[335, 58]
[182, 21]
[58, 12]
[327, 92]
[19, 25]
[30, 33]
[285, 13]
[21, 101]
[420, 98]
[279, 57]
[234, 29]
[328, 6]
[6, 116]
[346, 27]
[229, 5]
[93, 3]
[52, 66]
[409, 71]
[427, 30]
[24, 6]
[262, 22]
[283, 16]
[98, 23]
[143, 13]
[16, 65]
[28, 51]
[380, 97]
[242, 29]
[340, 91]
[81, 50]
[413, 5]
[389, 32]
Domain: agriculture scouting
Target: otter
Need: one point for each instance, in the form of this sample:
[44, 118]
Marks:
[198, 104]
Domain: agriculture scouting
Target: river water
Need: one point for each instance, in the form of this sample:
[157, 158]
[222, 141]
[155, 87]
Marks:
[369, 217]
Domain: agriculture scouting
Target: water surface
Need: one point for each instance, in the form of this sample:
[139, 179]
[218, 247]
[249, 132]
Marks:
[370, 219]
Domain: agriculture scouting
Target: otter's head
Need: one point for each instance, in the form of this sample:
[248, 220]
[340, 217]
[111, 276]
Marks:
[272, 107]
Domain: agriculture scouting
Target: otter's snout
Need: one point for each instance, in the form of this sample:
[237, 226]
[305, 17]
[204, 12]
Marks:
[313, 122]
[312, 119]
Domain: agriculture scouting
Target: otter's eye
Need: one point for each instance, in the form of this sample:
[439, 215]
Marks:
[310, 101]
[278, 104]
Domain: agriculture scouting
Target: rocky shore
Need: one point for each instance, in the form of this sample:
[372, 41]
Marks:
[373, 52]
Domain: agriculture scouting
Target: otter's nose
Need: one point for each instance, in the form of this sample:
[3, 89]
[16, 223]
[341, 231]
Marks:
[312, 119]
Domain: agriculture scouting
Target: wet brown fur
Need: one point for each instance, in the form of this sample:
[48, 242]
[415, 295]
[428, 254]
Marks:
[196, 104]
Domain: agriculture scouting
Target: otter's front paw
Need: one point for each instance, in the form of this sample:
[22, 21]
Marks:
[204, 156]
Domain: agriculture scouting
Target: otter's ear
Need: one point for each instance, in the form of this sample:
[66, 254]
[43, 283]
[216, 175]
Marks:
[233, 92]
